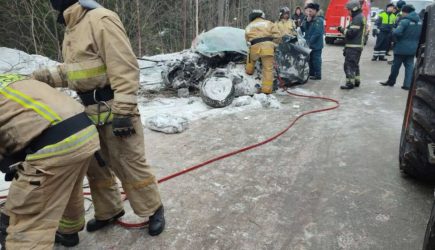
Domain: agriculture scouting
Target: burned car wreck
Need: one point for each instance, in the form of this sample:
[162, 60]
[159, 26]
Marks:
[215, 66]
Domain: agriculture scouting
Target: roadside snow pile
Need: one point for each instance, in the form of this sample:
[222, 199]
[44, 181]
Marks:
[15, 61]
[167, 123]
[267, 101]
[178, 111]
[193, 108]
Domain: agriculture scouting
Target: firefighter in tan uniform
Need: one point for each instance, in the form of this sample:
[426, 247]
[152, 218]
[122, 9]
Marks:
[45, 149]
[261, 34]
[285, 25]
[100, 65]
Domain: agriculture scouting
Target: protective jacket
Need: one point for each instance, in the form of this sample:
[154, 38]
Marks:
[262, 35]
[286, 27]
[385, 21]
[261, 29]
[97, 54]
[26, 112]
[314, 31]
[354, 33]
[407, 34]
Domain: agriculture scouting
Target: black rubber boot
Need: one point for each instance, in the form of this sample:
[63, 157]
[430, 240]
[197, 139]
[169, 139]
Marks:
[67, 240]
[386, 83]
[94, 224]
[4, 223]
[375, 58]
[347, 86]
[157, 222]
[357, 83]
[381, 58]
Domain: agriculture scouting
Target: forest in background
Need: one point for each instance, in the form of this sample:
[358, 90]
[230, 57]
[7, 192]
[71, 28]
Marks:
[153, 26]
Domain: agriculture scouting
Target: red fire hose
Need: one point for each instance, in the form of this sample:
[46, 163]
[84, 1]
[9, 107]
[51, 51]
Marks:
[221, 157]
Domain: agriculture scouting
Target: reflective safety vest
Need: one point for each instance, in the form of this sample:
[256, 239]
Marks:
[20, 126]
[386, 21]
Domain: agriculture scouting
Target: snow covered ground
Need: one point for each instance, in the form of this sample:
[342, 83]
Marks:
[173, 112]
[191, 108]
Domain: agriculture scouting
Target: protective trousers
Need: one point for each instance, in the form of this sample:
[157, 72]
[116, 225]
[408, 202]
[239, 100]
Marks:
[316, 63]
[125, 159]
[267, 60]
[382, 43]
[352, 57]
[40, 194]
[408, 63]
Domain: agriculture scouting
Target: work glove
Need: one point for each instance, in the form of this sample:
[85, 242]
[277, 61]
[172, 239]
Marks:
[42, 75]
[340, 29]
[9, 168]
[344, 52]
[122, 126]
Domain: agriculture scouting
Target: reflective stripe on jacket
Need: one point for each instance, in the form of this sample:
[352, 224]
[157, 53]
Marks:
[354, 33]
[386, 21]
[27, 108]
[96, 53]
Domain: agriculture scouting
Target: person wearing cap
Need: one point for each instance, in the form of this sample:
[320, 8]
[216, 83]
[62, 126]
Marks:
[313, 27]
[407, 36]
[285, 25]
[354, 39]
[398, 14]
[385, 24]
[262, 36]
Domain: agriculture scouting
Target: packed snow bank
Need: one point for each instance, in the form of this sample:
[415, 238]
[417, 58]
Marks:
[194, 108]
[15, 61]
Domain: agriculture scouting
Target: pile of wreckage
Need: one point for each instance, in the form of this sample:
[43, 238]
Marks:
[214, 66]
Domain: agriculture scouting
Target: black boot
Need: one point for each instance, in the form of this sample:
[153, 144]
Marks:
[157, 222]
[381, 58]
[94, 224]
[67, 240]
[357, 83]
[315, 78]
[375, 58]
[4, 223]
[348, 85]
[387, 83]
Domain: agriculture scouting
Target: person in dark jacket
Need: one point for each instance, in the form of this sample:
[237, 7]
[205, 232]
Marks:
[313, 27]
[407, 36]
[385, 25]
[399, 6]
[354, 39]
[399, 15]
[298, 16]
